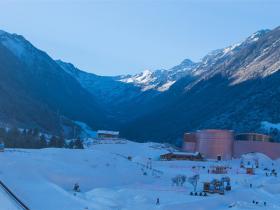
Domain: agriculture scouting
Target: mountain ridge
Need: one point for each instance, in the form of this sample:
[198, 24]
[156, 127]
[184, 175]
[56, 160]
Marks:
[223, 90]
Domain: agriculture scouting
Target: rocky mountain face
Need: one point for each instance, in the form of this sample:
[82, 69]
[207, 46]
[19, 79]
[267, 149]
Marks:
[160, 80]
[234, 88]
[36, 92]
[123, 102]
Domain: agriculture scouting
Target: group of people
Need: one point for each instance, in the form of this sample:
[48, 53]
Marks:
[258, 202]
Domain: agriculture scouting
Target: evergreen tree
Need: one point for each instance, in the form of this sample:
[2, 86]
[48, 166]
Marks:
[3, 133]
[43, 142]
[13, 138]
[71, 144]
[60, 142]
[35, 132]
[53, 142]
[78, 144]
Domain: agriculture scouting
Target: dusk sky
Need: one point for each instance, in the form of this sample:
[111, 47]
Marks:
[120, 37]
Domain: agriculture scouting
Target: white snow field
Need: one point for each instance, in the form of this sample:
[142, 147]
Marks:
[44, 179]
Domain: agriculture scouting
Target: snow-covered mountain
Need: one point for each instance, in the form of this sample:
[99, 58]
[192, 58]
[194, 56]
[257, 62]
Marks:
[160, 80]
[236, 88]
[214, 92]
[36, 92]
[123, 101]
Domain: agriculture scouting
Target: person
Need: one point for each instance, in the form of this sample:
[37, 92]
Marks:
[264, 203]
[76, 187]
[157, 201]
[251, 185]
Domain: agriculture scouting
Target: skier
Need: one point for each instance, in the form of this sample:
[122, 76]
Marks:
[157, 203]
[76, 187]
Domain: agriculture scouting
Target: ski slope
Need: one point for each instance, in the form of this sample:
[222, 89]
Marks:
[43, 179]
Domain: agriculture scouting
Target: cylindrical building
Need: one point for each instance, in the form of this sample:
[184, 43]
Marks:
[215, 144]
[253, 137]
[190, 142]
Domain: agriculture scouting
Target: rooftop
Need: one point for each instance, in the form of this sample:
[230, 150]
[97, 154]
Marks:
[108, 132]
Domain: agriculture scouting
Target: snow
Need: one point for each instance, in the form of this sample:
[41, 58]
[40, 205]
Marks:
[43, 179]
[14, 45]
[185, 153]
[268, 125]
[161, 79]
[20, 47]
[6, 202]
[108, 132]
[87, 132]
[143, 79]
[2, 32]
[166, 86]
[231, 48]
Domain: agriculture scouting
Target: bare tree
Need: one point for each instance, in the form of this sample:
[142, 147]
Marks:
[193, 181]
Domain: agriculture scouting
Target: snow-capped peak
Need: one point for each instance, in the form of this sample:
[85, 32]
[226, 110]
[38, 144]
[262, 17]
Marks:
[143, 79]
[256, 36]
[2, 32]
[162, 79]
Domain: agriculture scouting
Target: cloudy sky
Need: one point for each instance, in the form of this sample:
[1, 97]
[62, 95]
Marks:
[126, 36]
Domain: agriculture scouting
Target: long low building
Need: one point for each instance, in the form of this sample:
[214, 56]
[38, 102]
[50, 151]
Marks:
[107, 135]
[181, 156]
[224, 145]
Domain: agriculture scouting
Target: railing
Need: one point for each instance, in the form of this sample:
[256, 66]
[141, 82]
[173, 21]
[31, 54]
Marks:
[13, 196]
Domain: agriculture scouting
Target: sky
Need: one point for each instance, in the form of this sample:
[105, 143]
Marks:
[128, 36]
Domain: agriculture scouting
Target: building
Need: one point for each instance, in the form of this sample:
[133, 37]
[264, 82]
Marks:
[107, 135]
[223, 145]
[254, 142]
[191, 139]
[181, 156]
[215, 144]
[252, 137]
[211, 143]
[219, 169]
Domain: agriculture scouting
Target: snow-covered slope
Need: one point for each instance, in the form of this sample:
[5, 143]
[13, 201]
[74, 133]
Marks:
[22, 48]
[123, 101]
[236, 87]
[254, 57]
[44, 179]
[34, 89]
[105, 88]
[160, 80]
